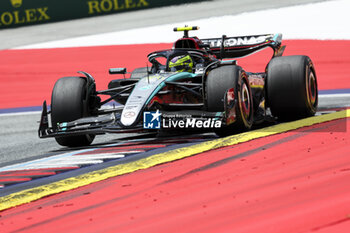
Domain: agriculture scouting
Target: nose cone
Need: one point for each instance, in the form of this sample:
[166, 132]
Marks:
[129, 117]
[143, 91]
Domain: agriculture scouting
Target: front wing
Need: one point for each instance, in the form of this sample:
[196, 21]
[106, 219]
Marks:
[110, 122]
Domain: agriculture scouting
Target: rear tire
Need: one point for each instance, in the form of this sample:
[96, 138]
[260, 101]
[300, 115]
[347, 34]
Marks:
[292, 87]
[218, 82]
[69, 103]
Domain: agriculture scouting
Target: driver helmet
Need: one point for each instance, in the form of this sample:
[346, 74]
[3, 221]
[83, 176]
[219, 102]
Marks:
[182, 63]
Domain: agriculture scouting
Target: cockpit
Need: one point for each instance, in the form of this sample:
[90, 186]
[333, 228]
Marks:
[162, 60]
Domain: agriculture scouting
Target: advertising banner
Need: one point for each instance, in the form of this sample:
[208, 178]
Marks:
[15, 13]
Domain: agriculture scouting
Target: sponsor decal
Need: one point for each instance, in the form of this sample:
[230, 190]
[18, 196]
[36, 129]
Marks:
[131, 107]
[23, 16]
[129, 114]
[16, 3]
[195, 123]
[237, 41]
[155, 77]
[151, 120]
[135, 99]
[256, 81]
[156, 120]
[103, 6]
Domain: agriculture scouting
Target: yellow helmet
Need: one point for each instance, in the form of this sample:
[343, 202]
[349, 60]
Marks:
[182, 63]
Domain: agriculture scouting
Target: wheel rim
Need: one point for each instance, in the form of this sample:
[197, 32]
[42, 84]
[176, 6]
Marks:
[245, 101]
[312, 90]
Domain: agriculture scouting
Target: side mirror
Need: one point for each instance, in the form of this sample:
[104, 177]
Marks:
[117, 71]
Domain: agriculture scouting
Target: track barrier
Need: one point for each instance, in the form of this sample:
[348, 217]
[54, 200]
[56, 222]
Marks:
[15, 13]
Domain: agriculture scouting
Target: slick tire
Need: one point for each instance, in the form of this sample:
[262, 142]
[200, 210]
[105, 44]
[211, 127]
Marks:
[218, 82]
[291, 87]
[68, 103]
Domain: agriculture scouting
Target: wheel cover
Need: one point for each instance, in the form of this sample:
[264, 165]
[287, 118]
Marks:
[311, 89]
[245, 101]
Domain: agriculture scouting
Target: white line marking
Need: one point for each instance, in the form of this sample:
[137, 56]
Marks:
[19, 166]
[20, 113]
[32, 164]
[344, 95]
[30, 167]
[101, 156]
[112, 153]
[71, 163]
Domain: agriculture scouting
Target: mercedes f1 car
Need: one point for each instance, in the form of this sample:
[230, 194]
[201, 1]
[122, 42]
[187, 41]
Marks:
[195, 85]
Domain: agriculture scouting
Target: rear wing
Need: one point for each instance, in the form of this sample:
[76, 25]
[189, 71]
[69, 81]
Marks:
[232, 47]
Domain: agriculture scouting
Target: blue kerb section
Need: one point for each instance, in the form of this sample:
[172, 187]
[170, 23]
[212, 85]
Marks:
[337, 91]
[21, 109]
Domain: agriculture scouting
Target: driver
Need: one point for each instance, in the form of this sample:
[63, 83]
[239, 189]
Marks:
[182, 63]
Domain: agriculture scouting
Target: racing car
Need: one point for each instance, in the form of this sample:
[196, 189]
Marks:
[195, 85]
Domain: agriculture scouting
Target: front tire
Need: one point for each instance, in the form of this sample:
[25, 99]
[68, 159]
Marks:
[218, 82]
[292, 87]
[69, 102]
